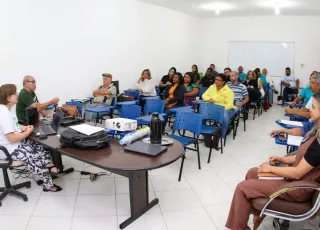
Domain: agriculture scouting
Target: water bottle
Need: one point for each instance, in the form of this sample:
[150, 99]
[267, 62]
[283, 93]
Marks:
[156, 129]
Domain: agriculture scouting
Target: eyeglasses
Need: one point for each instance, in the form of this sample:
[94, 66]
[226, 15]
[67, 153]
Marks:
[33, 82]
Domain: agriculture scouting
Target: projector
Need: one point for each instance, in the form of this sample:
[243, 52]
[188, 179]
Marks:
[121, 124]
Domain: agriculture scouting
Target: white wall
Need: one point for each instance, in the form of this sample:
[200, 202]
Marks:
[303, 31]
[66, 45]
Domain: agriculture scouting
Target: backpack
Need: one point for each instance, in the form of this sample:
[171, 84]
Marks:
[72, 138]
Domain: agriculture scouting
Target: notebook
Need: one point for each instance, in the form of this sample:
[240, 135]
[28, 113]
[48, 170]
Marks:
[272, 176]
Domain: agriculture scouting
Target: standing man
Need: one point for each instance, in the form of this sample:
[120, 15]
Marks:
[241, 74]
[227, 72]
[290, 81]
[28, 98]
[214, 72]
[241, 96]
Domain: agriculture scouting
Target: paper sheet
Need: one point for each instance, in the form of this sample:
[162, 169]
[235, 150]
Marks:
[294, 140]
[295, 123]
[86, 129]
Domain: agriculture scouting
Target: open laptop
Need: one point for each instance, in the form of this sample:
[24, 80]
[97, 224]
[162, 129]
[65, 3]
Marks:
[50, 129]
[145, 148]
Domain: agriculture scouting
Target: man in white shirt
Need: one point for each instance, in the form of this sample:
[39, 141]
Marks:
[314, 87]
[291, 84]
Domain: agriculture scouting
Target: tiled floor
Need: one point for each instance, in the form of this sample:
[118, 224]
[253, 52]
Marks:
[200, 201]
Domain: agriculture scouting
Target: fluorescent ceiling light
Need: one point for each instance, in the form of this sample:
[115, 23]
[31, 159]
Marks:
[279, 3]
[216, 6]
[277, 10]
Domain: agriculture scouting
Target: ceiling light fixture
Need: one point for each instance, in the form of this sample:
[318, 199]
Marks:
[217, 6]
[277, 9]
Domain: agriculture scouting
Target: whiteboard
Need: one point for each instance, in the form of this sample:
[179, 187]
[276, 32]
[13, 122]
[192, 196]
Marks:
[275, 56]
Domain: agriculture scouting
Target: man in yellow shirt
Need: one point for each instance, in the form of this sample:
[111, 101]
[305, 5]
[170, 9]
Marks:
[219, 93]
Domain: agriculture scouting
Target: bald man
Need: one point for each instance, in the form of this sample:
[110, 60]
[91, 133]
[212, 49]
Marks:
[28, 98]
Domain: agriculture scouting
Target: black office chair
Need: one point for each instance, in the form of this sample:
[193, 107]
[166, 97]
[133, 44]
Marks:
[9, 189]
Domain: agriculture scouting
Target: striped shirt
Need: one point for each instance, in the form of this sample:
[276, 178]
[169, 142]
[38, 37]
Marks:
[239, 90]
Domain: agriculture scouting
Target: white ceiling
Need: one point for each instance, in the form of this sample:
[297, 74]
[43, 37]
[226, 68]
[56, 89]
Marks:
[235, 8]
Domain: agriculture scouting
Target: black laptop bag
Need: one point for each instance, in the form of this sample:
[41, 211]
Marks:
[72, 138]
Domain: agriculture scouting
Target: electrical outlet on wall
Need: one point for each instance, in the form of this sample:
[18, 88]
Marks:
[302, 65]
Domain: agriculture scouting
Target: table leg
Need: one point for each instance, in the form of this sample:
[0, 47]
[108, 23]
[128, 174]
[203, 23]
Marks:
[139, 196]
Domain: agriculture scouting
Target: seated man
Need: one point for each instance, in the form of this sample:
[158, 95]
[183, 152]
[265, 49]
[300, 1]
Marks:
[290, 82]
[227, 72]
[220, 94]
[241, 96]
[214, 72]
[28, 98]
[241, 74]
[314, 87]
[106, 92]
[305, 95]
[208, 79]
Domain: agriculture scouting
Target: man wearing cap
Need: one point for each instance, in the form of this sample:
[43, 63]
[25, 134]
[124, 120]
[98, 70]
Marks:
[106, 92]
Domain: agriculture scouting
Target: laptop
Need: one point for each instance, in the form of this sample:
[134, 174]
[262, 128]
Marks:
[50, 129]
[145, 148]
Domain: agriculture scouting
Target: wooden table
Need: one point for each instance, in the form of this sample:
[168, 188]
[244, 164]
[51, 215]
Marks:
[131, 165]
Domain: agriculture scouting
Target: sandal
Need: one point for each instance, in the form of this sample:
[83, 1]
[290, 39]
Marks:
[48, 190]
[50, 170]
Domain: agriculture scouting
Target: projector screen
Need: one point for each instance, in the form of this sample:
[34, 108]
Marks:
[275, 56]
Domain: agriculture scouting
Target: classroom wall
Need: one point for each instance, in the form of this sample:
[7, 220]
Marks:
[66, 45]
[303, 31]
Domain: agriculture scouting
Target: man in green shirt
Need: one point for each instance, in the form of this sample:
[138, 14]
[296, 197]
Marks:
[28, 98]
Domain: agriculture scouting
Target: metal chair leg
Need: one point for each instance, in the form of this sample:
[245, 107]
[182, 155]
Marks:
[181, 167]
[198, 153]
[210, 151]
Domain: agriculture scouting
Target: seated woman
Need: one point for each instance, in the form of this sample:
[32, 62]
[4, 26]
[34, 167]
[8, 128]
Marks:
[192, 89]
[145, 84]
[167, 79]
[174, 93]
[13, 138]
[194, 70]
[252, 87]
[219, 93]
[306, 167]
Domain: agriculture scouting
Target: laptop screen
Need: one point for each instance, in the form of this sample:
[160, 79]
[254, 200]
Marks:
[57, 120]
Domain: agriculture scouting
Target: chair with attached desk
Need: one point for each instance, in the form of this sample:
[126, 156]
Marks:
[11, 189]
[186, 121]
[133, 93]
[213, 115]
[152, 106]
[130, 111]
[202, 91]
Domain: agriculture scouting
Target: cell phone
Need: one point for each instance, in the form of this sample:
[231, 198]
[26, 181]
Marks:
[282, 137]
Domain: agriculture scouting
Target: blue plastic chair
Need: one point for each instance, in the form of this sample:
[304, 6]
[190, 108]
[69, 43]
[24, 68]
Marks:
[158, 90]
[130, 111]
[202, 90]
[192, 123]
[152, 106]
[214, 114]
[155, 105]
[133, 93]
[78, 104]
